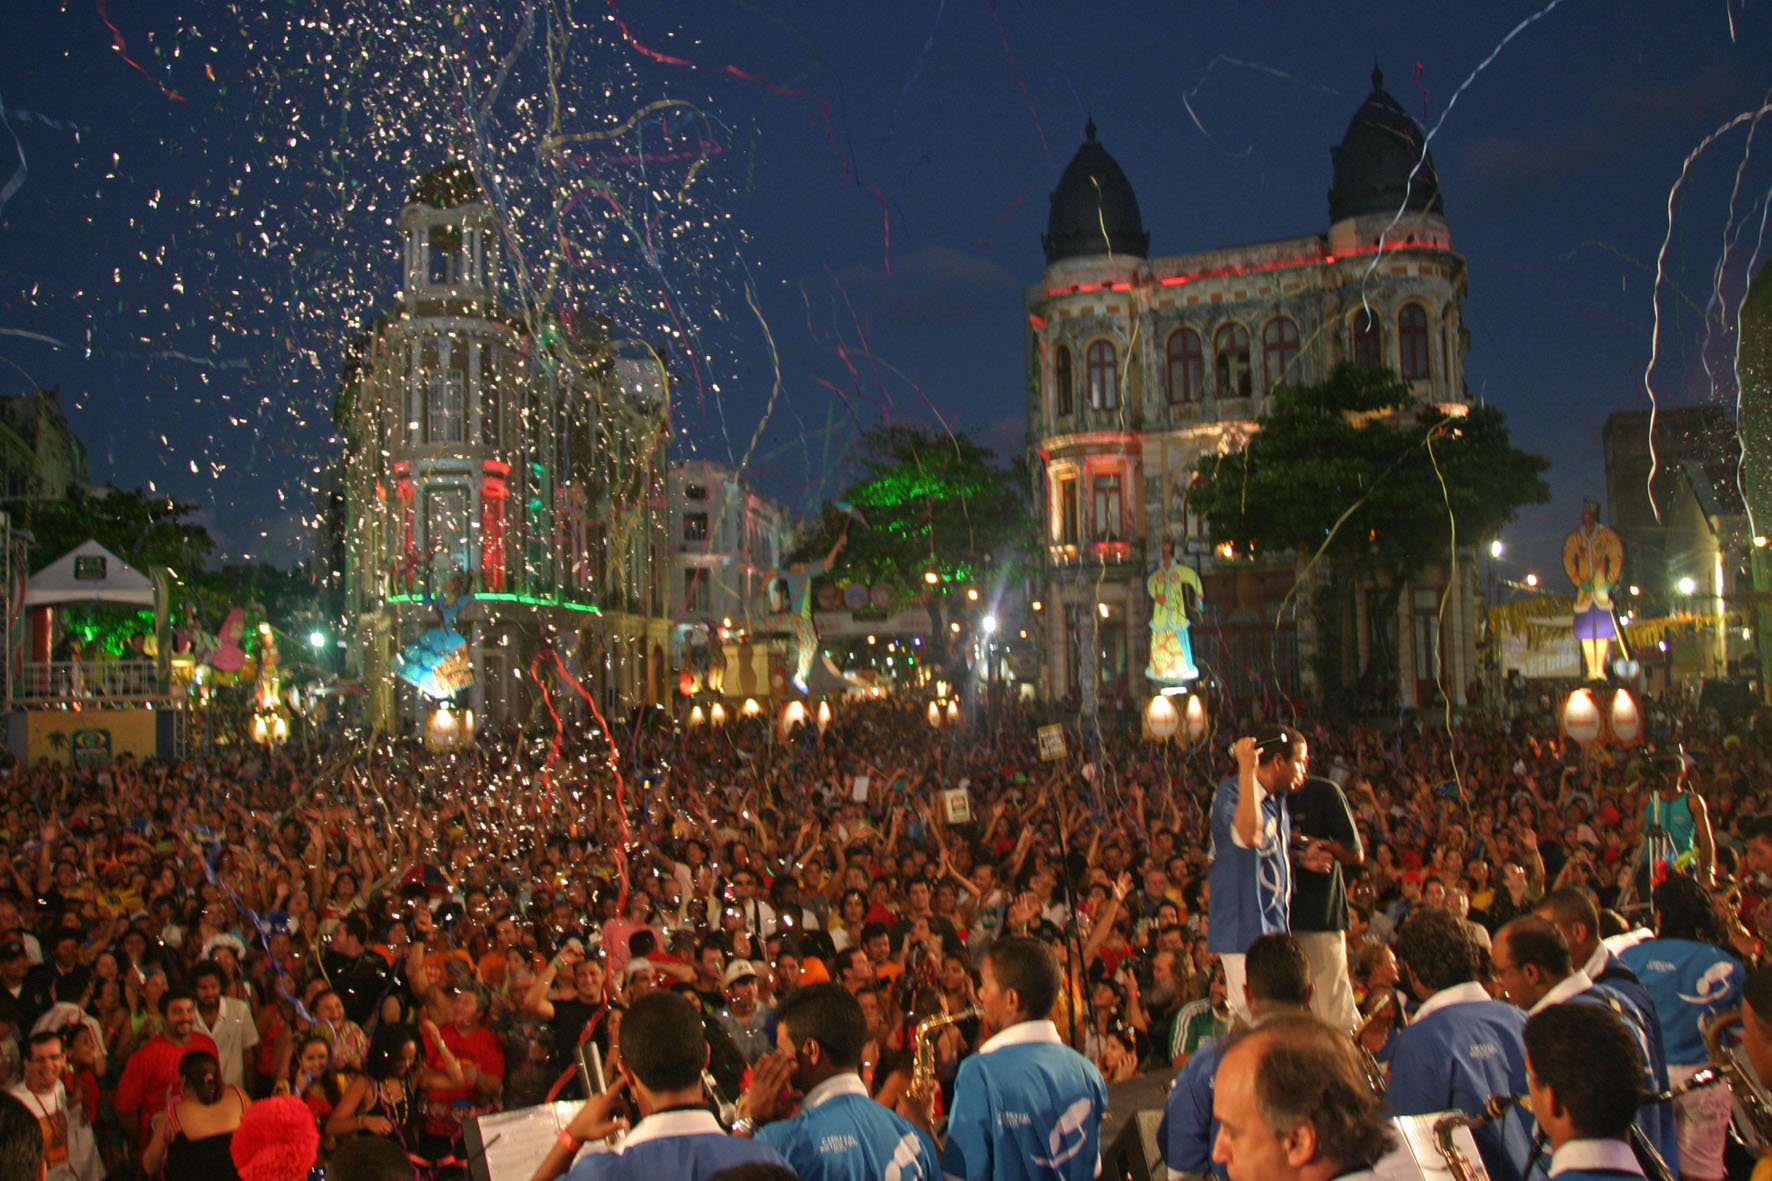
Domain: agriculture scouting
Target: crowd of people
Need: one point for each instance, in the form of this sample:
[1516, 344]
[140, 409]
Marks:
[720, 927]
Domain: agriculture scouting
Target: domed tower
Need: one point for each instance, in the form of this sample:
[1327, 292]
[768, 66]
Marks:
[451, 242]
[1381, 170]
[1094, 211]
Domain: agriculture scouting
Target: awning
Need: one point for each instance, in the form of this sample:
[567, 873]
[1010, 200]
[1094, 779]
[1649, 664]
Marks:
[89, 573]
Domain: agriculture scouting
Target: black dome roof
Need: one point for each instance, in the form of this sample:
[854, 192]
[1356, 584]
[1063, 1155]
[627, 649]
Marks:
[1094, 210]
[1375, 158]
[449, 184]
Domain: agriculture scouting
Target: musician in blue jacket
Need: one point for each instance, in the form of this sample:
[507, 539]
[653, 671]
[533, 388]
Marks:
[1582, 1071]
[839, 1133]
[1026, 1106]
[1278, 984]
[1461, 1047]
[663, 1053]
[1531, 962]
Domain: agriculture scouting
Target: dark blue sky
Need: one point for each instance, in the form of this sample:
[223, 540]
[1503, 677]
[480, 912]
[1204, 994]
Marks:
[196, 264]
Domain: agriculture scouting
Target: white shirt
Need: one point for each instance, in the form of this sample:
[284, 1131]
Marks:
[44, 1109]
[1022, 1033]
[1593, 1155]
[1459, 994]
[1574, 984]
[234, 1033]
[847, 1083]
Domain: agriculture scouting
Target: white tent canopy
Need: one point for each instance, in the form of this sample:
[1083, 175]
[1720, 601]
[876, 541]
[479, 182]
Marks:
[89, 573]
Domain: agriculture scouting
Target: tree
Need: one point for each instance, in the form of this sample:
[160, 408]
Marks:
[1358, 468]
[151, 534]
[933, 502]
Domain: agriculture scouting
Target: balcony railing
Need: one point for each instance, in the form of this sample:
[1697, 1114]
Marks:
[70, 680]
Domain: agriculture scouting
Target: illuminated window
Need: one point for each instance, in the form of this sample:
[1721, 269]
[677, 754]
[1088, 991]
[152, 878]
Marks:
[1187, 367]
[695, 526]
[1230, 349]
[1368, 340]
[1061, 381]
[1066, 526]
[1412, 354]
[1104, 378]
[1107, 520]
[1279, 353]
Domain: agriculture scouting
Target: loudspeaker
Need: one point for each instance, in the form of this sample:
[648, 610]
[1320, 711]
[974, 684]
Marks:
[1135, 1154]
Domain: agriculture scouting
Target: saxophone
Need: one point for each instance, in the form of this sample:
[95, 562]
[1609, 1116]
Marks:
[922, 1088]
[1494, 1108]
[1749, 1092]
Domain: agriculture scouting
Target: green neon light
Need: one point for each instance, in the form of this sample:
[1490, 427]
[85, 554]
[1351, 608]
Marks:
[503, 597]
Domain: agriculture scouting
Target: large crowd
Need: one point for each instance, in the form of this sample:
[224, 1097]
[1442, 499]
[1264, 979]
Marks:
[403, 941]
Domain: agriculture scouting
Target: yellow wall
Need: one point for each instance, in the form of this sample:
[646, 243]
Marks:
[101, 734]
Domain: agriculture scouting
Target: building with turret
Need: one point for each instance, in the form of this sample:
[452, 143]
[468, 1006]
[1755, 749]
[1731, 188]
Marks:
[517, 461]
[1140, 366]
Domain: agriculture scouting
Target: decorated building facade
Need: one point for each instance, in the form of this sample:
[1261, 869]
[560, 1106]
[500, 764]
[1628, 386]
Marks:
[504, 481]
[1140, 366]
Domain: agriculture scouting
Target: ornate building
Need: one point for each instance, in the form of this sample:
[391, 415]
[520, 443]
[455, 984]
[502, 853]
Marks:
[520, 462]
[1139, 366]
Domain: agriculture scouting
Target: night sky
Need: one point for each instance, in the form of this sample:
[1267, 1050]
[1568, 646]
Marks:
[861, 186]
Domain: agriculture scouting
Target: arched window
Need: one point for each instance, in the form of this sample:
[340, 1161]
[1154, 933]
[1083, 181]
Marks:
[1187, 367]
[1368, 340]
[1104, 379]
[1230, 348]
[1412, 354]
[1279, 353]
[1061, 381]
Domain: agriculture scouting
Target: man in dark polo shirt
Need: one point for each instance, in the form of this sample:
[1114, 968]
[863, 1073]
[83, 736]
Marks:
[1324, 840]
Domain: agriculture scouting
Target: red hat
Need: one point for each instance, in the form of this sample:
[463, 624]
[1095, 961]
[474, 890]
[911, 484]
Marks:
[277, 1140]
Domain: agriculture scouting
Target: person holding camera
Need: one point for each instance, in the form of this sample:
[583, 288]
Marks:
[1251, 867]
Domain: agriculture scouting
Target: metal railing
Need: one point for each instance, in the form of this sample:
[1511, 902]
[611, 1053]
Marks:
[67, 680]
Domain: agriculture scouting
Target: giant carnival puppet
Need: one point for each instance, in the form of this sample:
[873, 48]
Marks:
[1593, 558]
[437, 663]
[790, 592]
[1172, 652]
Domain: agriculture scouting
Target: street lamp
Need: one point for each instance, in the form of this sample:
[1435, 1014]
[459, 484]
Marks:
[1532, 581]
[1496, 548]
[990, 625]
[316, 639]
[1687, 585]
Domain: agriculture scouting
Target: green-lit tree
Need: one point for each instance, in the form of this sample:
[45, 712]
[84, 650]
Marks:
[933, 502]
[1358, 468]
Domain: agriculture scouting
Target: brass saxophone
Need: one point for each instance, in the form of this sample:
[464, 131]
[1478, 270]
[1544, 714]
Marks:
[1494, 1108]
[922, 1088]
[1749, 1093]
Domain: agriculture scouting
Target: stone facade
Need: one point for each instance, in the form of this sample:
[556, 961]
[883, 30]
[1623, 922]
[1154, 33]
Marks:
[524, 463]
[1139, 367]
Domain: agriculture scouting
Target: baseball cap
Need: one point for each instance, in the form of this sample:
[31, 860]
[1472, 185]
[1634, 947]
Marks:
[739, 969]
[640, 964]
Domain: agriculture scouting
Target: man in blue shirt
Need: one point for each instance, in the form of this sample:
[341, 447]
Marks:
[663, 1053]
[1251, 869]
[1279, 984]
[1461, 1047]
[839, 1133]
[1026, 1106]
[1292, 1104]
[1582, 1071]
[1690, 979]
[1532, 964]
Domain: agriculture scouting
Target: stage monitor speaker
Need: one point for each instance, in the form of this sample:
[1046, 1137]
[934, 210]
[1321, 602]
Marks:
[1135, 1154]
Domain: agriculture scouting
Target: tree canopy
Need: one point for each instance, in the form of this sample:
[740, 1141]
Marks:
[1357, 468]
[1360, 464]
[930, 501]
